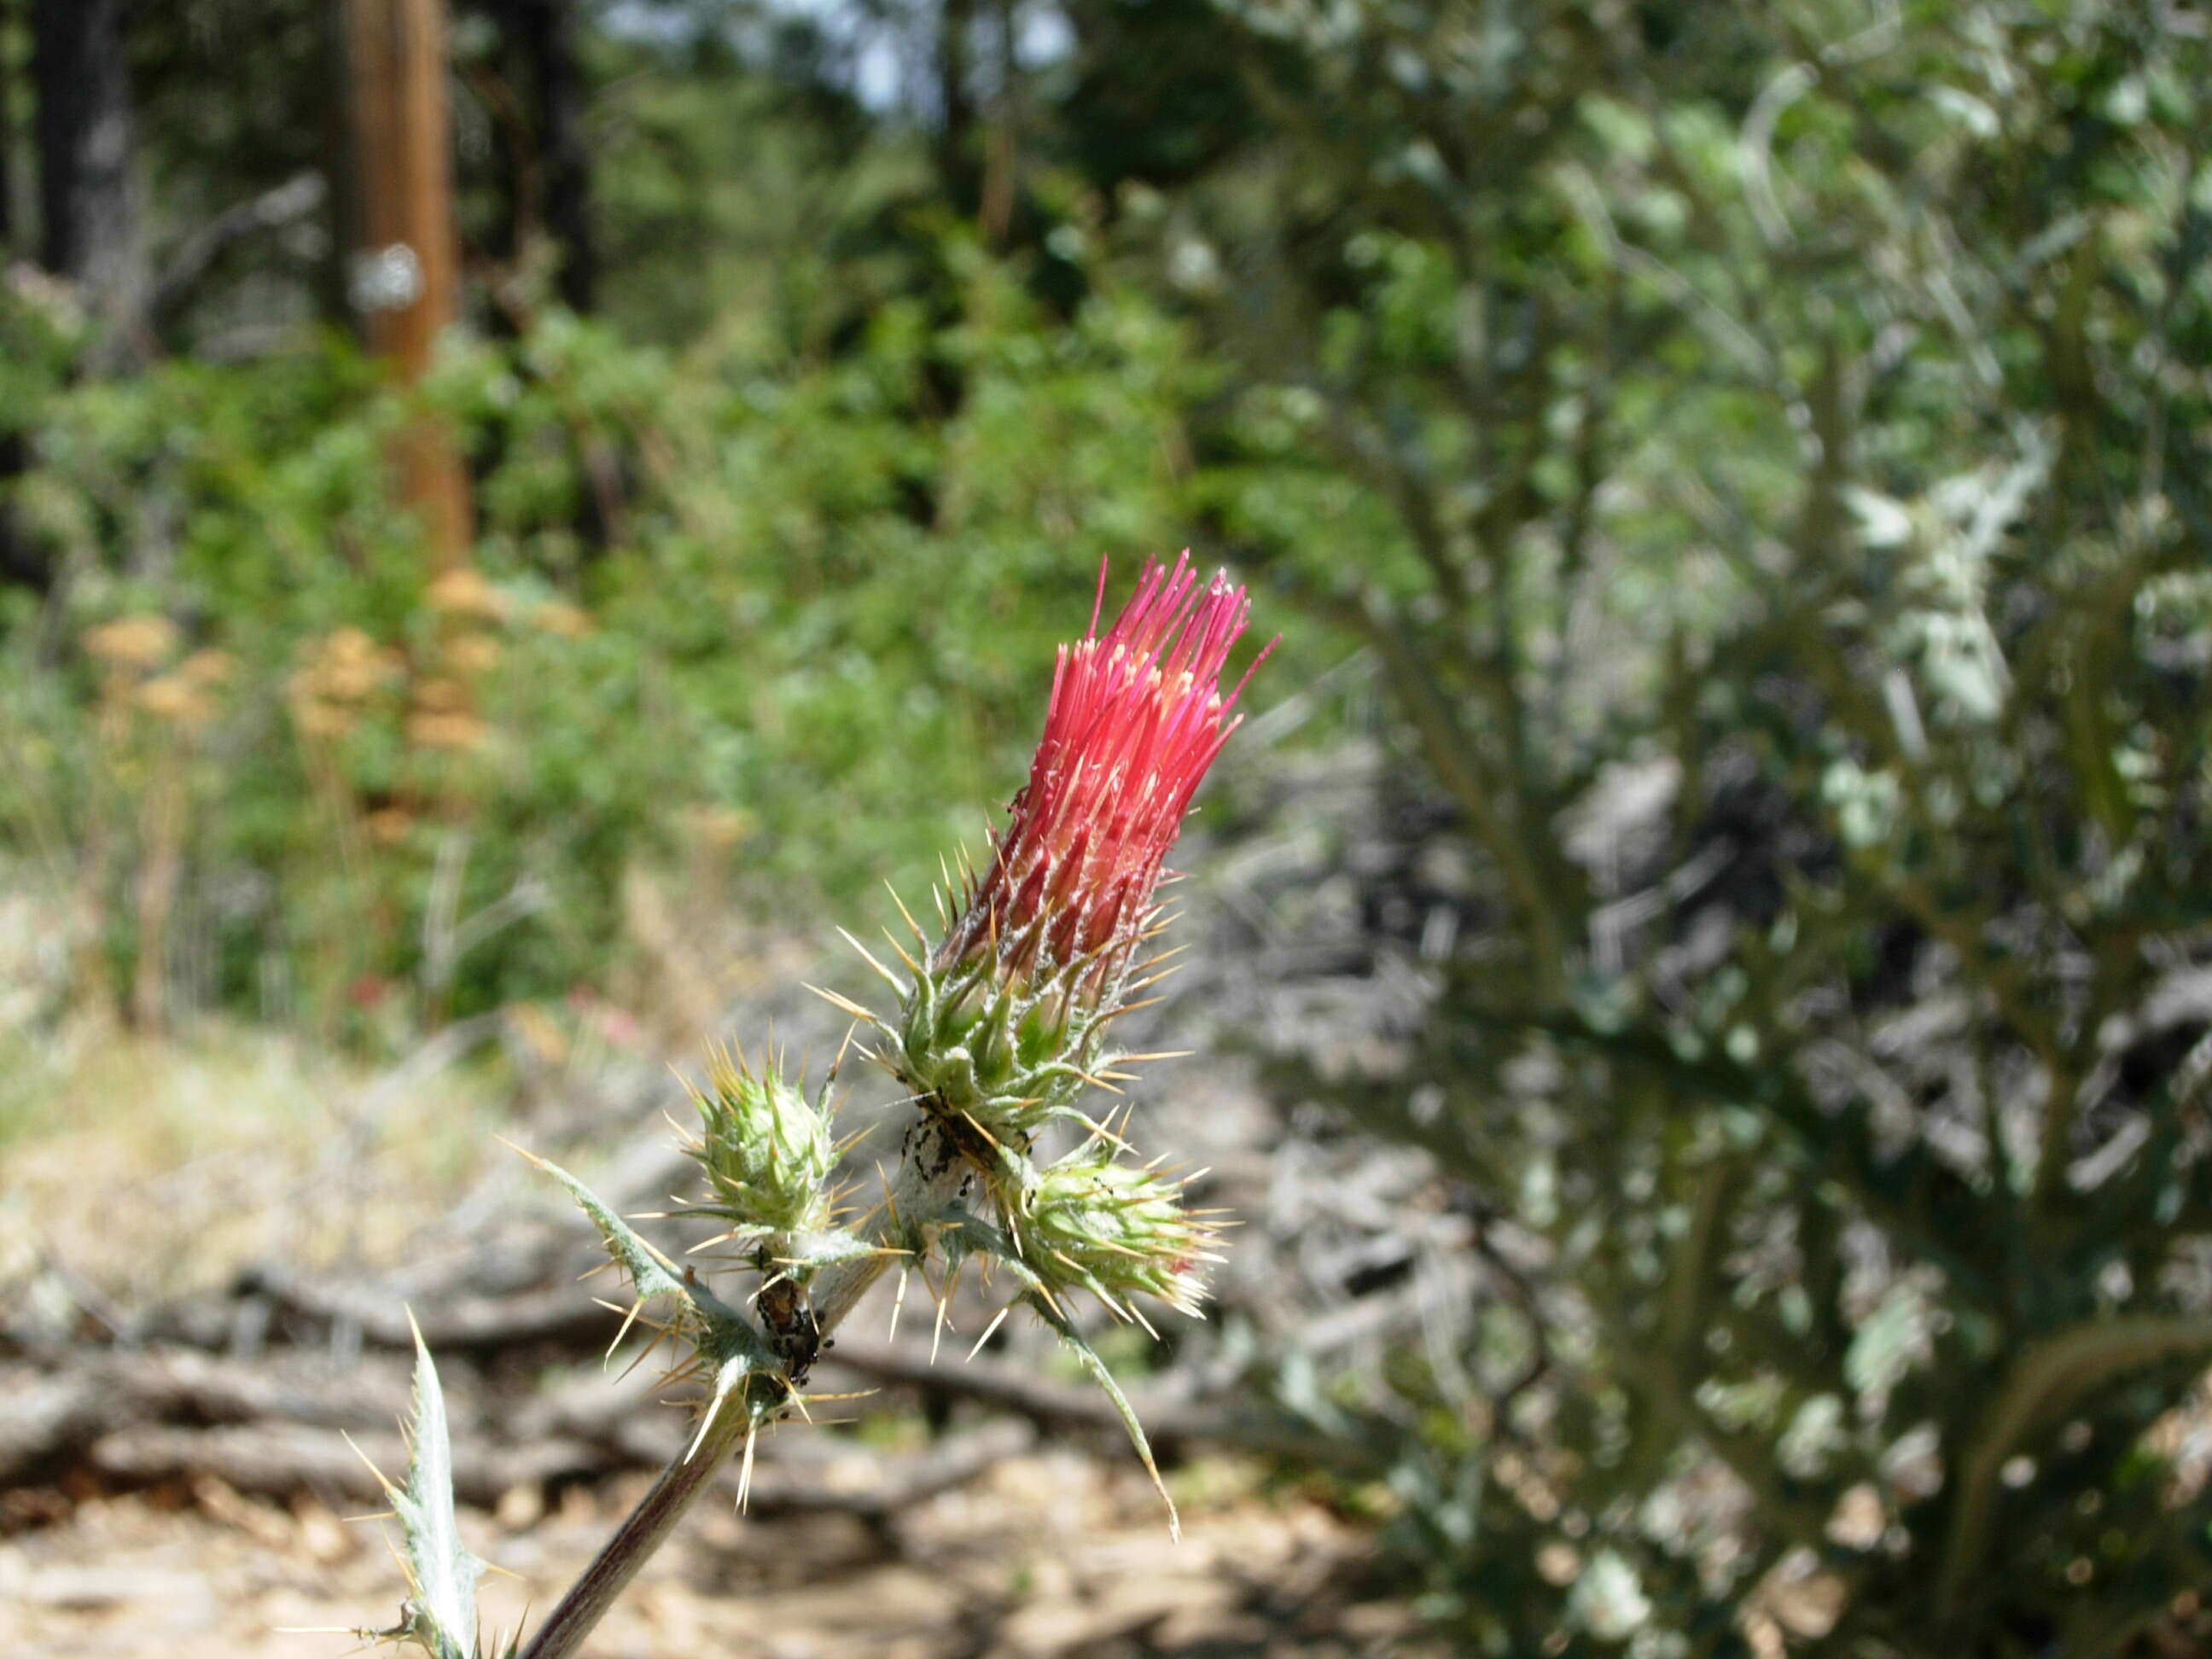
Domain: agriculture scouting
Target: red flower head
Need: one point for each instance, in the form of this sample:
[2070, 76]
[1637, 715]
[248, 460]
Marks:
[1135, 718]
[1005, 1024]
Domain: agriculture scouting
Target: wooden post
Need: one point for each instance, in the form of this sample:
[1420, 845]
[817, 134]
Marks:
[403, 276]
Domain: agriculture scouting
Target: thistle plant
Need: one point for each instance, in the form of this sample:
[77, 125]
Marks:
[1004, 1026]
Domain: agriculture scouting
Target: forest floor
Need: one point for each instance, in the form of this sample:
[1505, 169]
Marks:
[1057, 1553]
[138, 1175]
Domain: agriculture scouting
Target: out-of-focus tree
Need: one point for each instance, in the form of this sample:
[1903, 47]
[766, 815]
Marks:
[20, 563]
[1764, 455]
[532, 79]
[91, 210]
[10, 226]
[402, 273]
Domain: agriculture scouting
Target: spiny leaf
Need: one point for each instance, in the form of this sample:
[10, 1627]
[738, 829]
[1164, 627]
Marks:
[1122, 1409]
[2043, 1384]
[442, 1573]
[960, 1235]
[719, 1331]
[650, 1272]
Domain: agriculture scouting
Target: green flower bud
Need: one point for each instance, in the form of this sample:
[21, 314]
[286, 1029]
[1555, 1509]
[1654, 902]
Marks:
[768, 1150]
[1012, 1055]
[1116, 1230]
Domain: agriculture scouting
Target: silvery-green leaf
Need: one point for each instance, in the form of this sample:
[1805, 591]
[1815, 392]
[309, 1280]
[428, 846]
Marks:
[441, 1574]
[719, 1330]
[1122, 1409]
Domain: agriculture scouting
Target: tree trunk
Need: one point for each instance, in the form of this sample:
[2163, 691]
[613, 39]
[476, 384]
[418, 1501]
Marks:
[1002, 163]
[557, 82]
[22, 563]
[88, 196]
[956, 157]
[8, 226]
[402, 270]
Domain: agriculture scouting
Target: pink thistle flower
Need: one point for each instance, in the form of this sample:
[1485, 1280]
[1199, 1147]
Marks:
[1005, 1023]
[1135, 718]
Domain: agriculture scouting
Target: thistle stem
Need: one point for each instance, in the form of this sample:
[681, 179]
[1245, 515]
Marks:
[933, 1172]
[642, 1532]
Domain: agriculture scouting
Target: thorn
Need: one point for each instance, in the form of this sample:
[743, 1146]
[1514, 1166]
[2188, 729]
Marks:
[868, 957]
[898, 1301]
[745, 1471]
[628, 1320]
[1103, 1132]
[918, 936]
[937, 1333]
[372, 1468]
[661, 1335]
[705, 1423]
[1131, 1007]
[988, 1329]
[848, 1006]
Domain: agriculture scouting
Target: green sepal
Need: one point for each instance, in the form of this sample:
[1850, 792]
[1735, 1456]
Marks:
[1118, 1229]
[1011, 1055]
[766, 1151]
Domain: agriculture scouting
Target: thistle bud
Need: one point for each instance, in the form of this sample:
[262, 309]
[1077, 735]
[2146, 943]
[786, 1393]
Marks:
[768, 1152]
[1005, 1021]
[1116, 1230]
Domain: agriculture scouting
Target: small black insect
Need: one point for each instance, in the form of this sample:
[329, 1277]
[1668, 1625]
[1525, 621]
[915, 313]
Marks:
[792, 1330]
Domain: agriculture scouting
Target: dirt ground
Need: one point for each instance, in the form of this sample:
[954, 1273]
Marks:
[1053, 1554]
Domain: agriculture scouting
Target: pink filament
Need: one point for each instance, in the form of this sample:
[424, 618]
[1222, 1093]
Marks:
[1134, 720]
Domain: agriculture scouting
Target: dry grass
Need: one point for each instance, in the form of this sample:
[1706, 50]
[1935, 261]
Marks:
[146, 1168]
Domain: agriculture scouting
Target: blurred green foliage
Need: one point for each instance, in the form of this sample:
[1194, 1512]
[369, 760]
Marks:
[1784, 448]
[810, 649]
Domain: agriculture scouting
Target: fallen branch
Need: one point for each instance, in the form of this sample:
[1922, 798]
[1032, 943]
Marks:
[1169, 1417]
